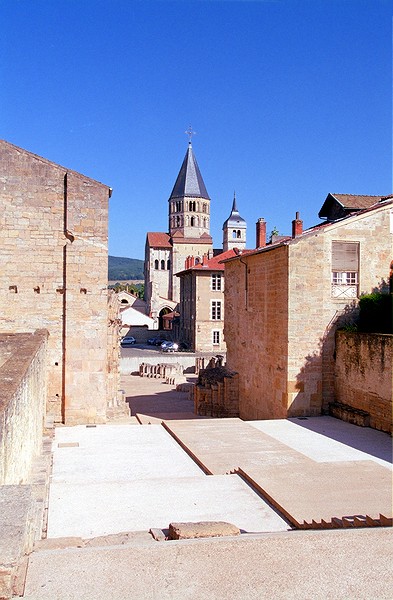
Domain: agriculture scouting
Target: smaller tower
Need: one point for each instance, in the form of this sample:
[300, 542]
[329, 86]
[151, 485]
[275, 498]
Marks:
[234, 230]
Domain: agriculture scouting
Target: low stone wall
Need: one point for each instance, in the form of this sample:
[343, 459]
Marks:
[216, 393]
[363, 376]
[23, 378]
[131, 364]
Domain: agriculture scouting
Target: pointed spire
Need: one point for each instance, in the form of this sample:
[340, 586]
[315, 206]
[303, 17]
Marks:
[234, 218]
[189, 181]
[234, 207]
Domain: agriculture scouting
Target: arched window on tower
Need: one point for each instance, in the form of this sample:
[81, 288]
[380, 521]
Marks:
[234, 234]
[192, 221]
[156, 264]
[168, 265]
[163, 265]
[238, 234]
[177, 221]
[192, 206]
[204, 207]
[204, 223]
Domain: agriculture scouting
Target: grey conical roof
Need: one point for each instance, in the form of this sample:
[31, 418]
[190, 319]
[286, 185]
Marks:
[234, 219]
[189, 182]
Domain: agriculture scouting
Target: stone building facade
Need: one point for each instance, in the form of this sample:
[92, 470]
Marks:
[284, 301]
[202, 303]
[54, 275]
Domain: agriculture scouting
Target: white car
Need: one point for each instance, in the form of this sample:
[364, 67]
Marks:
[128, 341]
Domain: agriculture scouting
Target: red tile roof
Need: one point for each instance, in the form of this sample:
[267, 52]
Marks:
[358, 201]
[157, 239]
[214, 264]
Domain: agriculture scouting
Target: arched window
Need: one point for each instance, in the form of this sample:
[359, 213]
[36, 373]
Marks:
[192, 206]
[192, 221]
[163, 265]
[234, 234]
[168, 265]
[238, 234]
[204, 223]
[204, 208]
[156, 264]
[177, 221]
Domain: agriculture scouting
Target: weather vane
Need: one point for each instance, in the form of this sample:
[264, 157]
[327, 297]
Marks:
[190, 133]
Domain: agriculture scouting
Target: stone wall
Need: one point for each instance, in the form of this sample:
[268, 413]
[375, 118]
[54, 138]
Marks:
[363, 375]
[53, 275]
[23, 375]
[256, 331]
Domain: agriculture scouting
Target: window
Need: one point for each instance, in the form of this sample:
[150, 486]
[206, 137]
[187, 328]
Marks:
[192, 206]
[216, 282]
[163, 265]
[216, 310]
[345, 269]
[216, 337]
[192, 221]
[234, 234]
[156, 264]
[168, 265]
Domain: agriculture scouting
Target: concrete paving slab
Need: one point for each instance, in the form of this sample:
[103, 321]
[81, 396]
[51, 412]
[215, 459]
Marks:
[159, 417]
[154, 397]
[326, 439]
[315, 492]
[297, 565]
[117, 453]
[222, 445]
[93, 509]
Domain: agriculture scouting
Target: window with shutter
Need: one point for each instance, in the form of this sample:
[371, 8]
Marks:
[345, 269]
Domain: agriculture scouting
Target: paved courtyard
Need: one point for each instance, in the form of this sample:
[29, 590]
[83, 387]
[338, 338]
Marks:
[112, 483]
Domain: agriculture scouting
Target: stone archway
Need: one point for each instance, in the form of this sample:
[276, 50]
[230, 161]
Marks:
[164, 311]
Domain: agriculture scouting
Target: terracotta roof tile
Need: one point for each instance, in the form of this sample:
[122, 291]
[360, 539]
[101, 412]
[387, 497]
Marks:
[157, 239]
[357, 201]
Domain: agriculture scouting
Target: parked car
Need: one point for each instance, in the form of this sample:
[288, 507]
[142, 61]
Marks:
[156, 341]
[169, 347]
[127, 341]
[183, 346]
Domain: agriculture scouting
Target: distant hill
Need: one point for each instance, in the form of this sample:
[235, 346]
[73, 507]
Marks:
[120, 269]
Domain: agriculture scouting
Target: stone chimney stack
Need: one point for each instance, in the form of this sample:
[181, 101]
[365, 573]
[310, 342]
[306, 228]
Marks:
[297, 226]
[261, 233]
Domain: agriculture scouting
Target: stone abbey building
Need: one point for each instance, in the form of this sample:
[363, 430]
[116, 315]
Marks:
[166, 254]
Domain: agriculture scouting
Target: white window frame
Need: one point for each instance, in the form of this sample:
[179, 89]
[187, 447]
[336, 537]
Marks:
[345, 270]
[216, 282]
[216, 310]
[216, 335]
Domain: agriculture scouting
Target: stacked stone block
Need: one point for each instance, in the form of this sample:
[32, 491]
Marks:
[53, 275]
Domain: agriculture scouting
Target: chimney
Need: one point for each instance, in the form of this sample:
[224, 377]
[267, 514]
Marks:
[297, 226]
[261, 233]
[204, 260]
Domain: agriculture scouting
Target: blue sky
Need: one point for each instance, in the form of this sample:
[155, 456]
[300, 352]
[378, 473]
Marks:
[290, 100]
